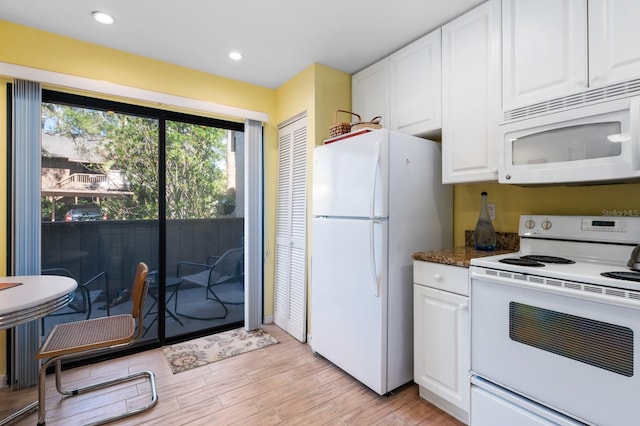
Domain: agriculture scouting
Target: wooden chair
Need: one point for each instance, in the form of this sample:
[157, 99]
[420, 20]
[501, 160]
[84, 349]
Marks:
[88, 337]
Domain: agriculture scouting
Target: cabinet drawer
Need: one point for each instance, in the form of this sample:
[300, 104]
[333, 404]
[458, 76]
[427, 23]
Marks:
[443, 277]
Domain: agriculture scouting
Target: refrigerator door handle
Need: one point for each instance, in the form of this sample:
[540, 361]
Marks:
[376, 168]
[374, 264]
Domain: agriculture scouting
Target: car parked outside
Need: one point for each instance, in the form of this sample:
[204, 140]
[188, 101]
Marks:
[84, 212]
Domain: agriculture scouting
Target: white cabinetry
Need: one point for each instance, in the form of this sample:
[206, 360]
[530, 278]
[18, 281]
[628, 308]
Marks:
[614, 51]
[404, 88]
[441, 336]
[544, 50]
[370, 92]
[556, 48]
[416, 87]
[471, 95]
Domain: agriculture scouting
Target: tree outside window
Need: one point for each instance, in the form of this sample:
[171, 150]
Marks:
[113, 158]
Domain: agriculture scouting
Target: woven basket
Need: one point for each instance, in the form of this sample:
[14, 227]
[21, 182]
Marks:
[340, 128]
[374, 124]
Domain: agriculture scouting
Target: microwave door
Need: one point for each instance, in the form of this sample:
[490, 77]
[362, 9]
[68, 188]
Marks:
[574, 149]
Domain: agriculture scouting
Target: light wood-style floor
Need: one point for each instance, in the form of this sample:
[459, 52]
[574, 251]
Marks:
[284, 384]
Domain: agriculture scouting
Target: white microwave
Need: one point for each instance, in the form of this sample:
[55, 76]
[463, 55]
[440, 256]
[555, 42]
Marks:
[592, 144]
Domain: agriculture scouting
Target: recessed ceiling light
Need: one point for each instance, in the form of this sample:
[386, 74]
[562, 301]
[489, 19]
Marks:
[235, 55]
[103, 18]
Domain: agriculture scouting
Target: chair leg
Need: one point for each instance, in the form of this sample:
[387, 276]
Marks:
[217, 299]
[42, 375]
[225, 302]
[58, 364]
[226, 312]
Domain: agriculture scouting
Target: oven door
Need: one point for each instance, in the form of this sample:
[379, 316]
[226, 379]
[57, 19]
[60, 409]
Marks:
[571, 351]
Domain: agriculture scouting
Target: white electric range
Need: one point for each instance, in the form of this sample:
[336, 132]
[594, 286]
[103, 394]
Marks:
[554, 327]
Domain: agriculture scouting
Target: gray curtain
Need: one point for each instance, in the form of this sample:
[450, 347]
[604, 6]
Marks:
[253, 224]
[25, 230]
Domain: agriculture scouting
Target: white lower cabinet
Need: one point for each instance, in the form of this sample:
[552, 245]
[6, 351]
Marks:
[441, 337]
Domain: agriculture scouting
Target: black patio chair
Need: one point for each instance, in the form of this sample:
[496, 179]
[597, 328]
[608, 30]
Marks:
[228, 267]
[84, 295]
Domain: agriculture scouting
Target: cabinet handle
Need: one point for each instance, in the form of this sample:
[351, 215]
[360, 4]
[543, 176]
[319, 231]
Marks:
[437, 277]
[464, 306]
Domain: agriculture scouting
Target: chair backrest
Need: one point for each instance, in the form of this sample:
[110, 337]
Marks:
[57, 271]
[229, 263]
[81, 297]
[138, 290]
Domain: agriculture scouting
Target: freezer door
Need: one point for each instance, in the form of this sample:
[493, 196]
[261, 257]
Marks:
[348, 297]
[350, 177]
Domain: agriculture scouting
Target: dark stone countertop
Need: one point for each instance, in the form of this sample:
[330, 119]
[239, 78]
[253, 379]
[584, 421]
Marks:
[506, 242]
[457, 256]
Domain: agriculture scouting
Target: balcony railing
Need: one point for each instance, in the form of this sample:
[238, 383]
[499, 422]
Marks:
[82, 179]
[116, 246]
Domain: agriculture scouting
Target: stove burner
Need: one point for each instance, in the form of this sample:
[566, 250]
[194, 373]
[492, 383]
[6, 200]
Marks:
[521, 261]
[548, 259]
[623, 275]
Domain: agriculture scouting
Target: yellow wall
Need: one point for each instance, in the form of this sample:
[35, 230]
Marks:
[318, 90]
[47, 51]
[512, 201]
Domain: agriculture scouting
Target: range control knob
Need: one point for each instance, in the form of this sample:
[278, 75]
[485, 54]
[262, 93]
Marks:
[546, 225]
[529, 224]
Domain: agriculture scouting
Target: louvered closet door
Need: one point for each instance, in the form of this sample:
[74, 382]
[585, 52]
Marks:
[290, 310]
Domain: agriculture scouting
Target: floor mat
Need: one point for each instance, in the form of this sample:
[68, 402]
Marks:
[205, 350]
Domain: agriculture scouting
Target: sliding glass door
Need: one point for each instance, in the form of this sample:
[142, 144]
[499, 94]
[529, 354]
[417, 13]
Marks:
[123, 184]
[204, 227]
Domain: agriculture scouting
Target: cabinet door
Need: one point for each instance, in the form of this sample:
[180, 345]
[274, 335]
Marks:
[441, 344]
[614, 51]
[471, 95]
[370, 92]
[415, 91]
[544, 50]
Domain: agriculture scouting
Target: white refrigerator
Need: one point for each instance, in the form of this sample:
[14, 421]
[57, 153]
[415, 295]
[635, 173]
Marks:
[377, 199]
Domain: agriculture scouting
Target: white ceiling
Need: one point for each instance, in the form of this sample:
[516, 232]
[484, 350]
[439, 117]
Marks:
[278, 38]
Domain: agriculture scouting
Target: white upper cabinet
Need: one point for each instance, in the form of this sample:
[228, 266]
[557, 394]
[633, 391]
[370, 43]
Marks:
[471, 95]
[415, 86]
[370, 92]
[556, 48]
[544, 50]
[614, 47]
[404, 88]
